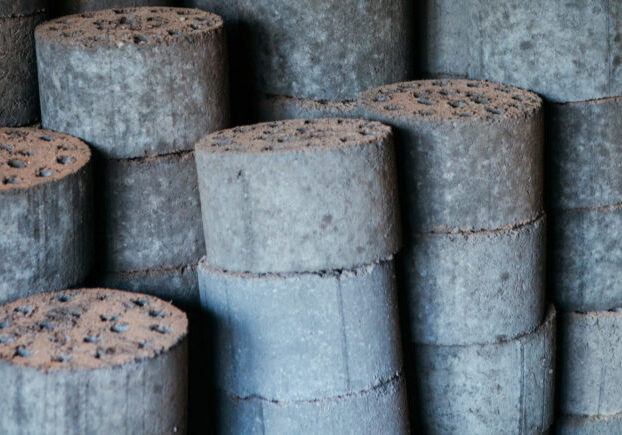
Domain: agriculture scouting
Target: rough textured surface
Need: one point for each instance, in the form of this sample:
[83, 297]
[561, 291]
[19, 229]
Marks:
[66, 7]
[502, 388]
[17, 8]
[482, 171]
[134, 82]
[586, 258]
[134, 389]
[45, 222]
[378, 410]
[30, 156]
[567, 51]
[590, 363]
[178, 285]
[273, 108]
[19, 104]
[475, 288]
[586, 200]
[331, 183]
[451, 99]
[150, 216]
[586, 153]
[580, 425]
[87, 329]
[319, 49]
[303, 336]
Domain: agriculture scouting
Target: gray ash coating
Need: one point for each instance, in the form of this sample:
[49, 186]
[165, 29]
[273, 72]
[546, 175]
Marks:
[295, 134]
[87, 328]
[121, 26]
[451, 99]
[31, 156]
[21, 8]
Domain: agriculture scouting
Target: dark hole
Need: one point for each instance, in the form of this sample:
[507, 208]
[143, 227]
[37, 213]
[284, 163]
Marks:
[44, 172]
[18, 164]
[140, 39]
[63, 298]
[65, 160]
[494, 111]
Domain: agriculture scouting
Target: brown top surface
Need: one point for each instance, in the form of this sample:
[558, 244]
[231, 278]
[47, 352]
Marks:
[295, 134]
[30, 156]
[451, 99]
[140, 26]
[80, 329]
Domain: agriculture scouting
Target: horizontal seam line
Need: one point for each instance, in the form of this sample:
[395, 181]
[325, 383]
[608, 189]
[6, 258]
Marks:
[147, 271]
[592, 208]
[591, 100]
[508, 228]
[148, 158]
[549, 317]
[337, 272]
[396, 377]
[593, 417]
[320, 101]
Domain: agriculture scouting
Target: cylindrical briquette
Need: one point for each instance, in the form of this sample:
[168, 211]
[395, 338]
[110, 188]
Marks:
[379, 410]
[331, 183]
[150, 213]
[67, 7]
[319, 49]
[499, 388]
[586, 202]
[93, 361]
[470, 152]
[19, 104]
[475, 288]
[590, 364]
[576, 55]
[45, 212]
[303, 337]
[134, 82]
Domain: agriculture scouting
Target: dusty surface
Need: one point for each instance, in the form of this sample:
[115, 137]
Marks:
[296, 134]
[19, 104]
[20, 8]
[140, 26]
[77, 329]
[452, 99]
[278, 107]
[30, 156]
[317, 49]
[566, 51]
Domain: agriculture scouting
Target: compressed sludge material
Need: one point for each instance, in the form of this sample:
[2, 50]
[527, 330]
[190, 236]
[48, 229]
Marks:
[19, 104]
[134, 82]
[45, 212]
[331, 183]
[94, 360]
